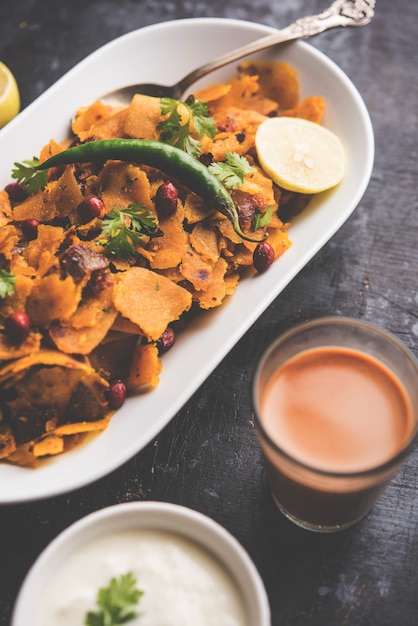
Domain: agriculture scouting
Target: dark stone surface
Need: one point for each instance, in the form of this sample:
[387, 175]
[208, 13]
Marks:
[207, 457]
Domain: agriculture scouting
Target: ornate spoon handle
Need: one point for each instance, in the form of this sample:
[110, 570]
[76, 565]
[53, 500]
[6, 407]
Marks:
[340, 13]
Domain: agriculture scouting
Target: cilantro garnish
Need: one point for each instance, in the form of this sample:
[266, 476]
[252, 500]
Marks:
[262, 219]
[232, 171]
[177, 131]
[126, 228]
[7, 282]
[31, 179]
[115, 602]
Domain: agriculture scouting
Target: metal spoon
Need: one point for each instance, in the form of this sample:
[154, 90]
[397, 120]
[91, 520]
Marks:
[340, 13]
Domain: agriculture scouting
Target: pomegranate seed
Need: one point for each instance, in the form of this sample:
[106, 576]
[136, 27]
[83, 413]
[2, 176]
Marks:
[166, 199]
[116, 394]
[263, 256]
[99, 281]
[16, 192]
[166, 340]
[17, 326]
[30, 228]
[90, 208]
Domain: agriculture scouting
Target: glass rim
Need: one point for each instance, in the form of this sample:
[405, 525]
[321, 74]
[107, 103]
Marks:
[342, 321]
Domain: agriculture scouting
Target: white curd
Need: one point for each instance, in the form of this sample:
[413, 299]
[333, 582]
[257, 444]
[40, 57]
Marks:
[183, 584]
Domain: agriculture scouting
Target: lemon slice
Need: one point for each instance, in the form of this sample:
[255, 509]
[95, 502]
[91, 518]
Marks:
[9, 96]
[300, 155]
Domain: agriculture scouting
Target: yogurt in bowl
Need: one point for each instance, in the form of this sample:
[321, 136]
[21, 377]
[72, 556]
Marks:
[187, 568]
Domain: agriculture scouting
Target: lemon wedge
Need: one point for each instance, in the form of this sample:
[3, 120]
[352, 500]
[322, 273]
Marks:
[300, 155]
[9, 96]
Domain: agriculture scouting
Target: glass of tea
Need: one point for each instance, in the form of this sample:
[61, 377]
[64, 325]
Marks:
[336, 411]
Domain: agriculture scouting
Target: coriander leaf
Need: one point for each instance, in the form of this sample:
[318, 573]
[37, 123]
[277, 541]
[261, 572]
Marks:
[204, 125]
[125, 229]
[141, 219]
[177, 131]
[7, 281]
[192, 146]
[172, 125]
[115, 602]
[232, 171]
[262, 219]
[31, 179]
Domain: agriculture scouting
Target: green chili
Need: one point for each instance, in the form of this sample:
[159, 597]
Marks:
[164, 157]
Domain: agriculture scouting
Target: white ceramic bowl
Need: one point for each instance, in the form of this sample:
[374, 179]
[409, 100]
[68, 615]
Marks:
[139, 516]
[164, 53]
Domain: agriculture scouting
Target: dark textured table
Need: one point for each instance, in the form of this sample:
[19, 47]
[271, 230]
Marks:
[207, 457]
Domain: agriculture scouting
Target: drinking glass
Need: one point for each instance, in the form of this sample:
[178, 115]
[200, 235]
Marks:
[317, 498]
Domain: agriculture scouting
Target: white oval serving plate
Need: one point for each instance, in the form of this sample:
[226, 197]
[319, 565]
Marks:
[164, 53]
